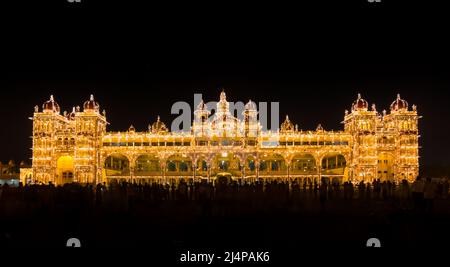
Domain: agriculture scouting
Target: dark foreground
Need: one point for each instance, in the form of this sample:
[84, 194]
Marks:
[257, 215]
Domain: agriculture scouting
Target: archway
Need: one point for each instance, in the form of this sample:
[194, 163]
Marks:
[178, 165]
[226, 163]
[117, 166]
[147, 165]
[64, 170]
[334, 168]
[202, 167]
[303, 167]
[250, 166]
[272, 164]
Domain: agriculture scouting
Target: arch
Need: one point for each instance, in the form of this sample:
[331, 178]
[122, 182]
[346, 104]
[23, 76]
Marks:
[226, 163]
[202, 164]
[334, 167]
[64, 170]
[272, 163]
[117, 165]
[147, 165]
[303, 164]
[178, 164]
[250, 164]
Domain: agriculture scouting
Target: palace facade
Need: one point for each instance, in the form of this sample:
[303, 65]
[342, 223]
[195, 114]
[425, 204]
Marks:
[76, 147]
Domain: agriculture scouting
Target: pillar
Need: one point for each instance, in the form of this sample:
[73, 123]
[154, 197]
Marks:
[257, 169]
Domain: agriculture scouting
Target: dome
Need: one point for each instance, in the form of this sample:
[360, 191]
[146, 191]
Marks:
[91, 104]
[360, 104]
[250, 106]
[50, 105]
[399, 104]
[287, 125]
[158, 126]
[71, 116]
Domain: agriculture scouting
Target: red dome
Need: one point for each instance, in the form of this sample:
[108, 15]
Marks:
[399, 104]
[360, 104]
[91, 104]
[50, 105]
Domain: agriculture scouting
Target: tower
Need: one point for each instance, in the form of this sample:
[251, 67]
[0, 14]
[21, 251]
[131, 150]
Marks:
[402, 122]
[200, 125]
[90, 127]
[361, 124]
[251, 126]
[49, 142]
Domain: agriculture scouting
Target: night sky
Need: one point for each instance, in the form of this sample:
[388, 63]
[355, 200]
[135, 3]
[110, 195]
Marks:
[139, 60]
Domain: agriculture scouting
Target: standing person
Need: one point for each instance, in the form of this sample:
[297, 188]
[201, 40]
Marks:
[323, 191]
[417, 189]
[445, 187]
[429, 195]
[404, 194]
[351, 190]
[316, 188]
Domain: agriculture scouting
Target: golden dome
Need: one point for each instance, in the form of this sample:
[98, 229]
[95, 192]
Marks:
[91, 104]
[51, 105]
[399, 104]
[360, 104]
[158, 126]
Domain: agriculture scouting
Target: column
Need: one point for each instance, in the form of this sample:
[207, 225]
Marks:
[208, 167]
[319, 172]
[194, 171]
[163, 171]
[257, 169]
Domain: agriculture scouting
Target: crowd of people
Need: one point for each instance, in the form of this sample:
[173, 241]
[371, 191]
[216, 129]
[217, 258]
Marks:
[222, 212]
[263, 194]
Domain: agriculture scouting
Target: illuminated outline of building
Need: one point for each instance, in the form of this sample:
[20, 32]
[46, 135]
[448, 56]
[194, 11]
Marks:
[75, 147]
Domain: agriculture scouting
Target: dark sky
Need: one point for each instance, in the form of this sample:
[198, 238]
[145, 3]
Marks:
[139, 60]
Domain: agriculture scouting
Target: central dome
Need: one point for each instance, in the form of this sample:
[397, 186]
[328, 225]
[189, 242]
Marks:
[158, 126]
[360, 104]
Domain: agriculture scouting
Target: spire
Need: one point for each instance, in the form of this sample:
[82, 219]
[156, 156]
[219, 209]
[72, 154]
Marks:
[223, 96]
[51, 98]
[92, 97]
[398, 96]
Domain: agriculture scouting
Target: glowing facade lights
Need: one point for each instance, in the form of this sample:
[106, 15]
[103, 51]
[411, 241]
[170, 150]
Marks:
[371, 146]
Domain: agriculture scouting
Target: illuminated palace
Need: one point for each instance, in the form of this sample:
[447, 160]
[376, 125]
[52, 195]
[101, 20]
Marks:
[75, 147]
